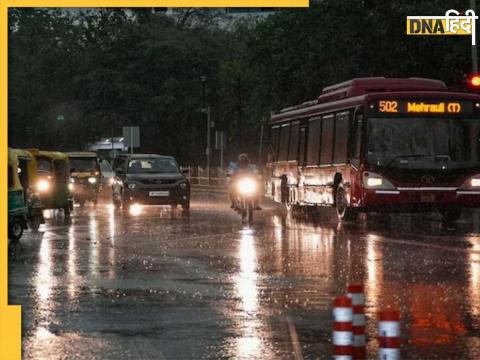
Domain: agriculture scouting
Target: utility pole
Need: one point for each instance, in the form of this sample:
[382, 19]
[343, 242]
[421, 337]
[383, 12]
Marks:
[208, 151]
[474, 47]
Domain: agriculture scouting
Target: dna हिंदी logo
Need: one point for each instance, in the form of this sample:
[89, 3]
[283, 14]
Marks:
[453, 23]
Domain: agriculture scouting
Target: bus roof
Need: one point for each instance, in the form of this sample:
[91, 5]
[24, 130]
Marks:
[354, 92]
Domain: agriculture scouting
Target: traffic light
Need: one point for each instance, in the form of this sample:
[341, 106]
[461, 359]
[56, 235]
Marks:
[473, 82]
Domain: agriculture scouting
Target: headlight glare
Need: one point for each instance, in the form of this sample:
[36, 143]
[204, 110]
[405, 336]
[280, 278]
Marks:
[92, 180]
[247, 186]
[43, 185]
[475, 182]
[374, 182]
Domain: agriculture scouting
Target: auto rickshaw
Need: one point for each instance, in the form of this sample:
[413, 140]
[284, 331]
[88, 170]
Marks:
[53, 170]
[24, 205]
[85, 176]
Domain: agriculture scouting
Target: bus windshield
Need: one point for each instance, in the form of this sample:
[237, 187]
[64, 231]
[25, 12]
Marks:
[423, 143]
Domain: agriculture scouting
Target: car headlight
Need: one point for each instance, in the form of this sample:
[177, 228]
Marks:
[43, 185]
[375, 181]
[92, 180]
[247, 186]
[132, 186]
[183, 185]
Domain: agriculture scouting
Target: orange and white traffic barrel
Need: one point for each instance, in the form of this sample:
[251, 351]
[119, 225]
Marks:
[355, 292]
[389, 335]
[342, 328]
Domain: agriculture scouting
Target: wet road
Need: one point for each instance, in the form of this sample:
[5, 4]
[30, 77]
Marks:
[164, 285]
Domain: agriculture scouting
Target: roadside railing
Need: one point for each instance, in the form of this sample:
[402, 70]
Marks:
[199, 177]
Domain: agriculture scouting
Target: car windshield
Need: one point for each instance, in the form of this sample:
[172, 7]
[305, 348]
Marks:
[423, 143]
[153, 165]
[86, 164]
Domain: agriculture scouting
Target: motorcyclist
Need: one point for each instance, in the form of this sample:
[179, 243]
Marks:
[242, 166]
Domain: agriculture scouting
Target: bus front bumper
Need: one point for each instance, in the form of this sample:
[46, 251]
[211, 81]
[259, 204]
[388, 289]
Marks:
[412, 200]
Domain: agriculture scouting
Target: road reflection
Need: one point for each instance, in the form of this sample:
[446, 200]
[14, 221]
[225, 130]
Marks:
[249, 343]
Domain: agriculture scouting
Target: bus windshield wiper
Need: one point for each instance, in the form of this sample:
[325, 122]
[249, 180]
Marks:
[404, 156]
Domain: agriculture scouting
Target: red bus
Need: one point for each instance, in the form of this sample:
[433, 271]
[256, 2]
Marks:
[378, 144]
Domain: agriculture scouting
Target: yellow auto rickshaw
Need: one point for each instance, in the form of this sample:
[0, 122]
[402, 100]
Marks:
[24, 205]
[85, 176]
[53, 171]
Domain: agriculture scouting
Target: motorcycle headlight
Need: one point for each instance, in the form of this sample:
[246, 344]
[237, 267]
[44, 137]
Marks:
[43, 185]
[92, 180]
[71, 186]
[132, 186]
[247, 186]
[375, 181]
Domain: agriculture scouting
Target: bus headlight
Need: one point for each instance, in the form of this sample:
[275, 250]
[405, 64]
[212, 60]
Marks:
[43, 185]
[92, 180]
[247, 186]
[475, 182]
[374, 181]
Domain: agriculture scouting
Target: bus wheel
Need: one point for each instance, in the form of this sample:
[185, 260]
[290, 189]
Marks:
[344, 212]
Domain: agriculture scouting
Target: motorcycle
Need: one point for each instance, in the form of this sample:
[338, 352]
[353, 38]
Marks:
[246, 189]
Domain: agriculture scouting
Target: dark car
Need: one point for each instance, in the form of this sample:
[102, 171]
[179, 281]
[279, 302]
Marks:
[147, 179]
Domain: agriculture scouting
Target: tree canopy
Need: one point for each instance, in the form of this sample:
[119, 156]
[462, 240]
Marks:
[76, 76]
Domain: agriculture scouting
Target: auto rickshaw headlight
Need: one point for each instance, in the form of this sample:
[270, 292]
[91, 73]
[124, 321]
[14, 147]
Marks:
[92, 180]
[43, 185]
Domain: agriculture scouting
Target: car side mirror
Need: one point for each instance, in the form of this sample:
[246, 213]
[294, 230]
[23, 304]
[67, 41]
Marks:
[185, 171]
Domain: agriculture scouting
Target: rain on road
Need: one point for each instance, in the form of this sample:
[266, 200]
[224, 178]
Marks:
[165, 285]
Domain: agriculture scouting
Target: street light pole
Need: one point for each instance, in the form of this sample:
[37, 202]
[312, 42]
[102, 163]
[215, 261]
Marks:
[474, 47]
[208, 151]
[207, 110]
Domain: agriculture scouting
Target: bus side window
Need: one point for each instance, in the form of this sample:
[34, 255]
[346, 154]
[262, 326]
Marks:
[293, 147]
[302, 142]
[314, 130]
[341, 138]
[284, 139]
[356, 139]
[327, 140]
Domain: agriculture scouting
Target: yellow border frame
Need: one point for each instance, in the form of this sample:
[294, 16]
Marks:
[10, 316]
